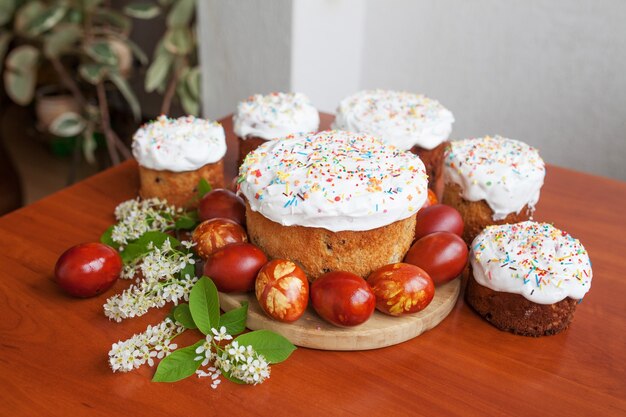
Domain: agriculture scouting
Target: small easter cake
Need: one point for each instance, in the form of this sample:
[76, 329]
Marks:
[174, 154]
[527, 278]
[492, 180]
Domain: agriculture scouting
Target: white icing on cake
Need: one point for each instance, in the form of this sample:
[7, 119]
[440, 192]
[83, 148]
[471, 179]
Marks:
[184, 144]
[399, 118]
[535, 260]
[275, 115]
[334, 180]
[506, 173]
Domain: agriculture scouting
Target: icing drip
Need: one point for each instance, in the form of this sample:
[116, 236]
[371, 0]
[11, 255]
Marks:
[506, 173]
[275, 115]
[184, 144]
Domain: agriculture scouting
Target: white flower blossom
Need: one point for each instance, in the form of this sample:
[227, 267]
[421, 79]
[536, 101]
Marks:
[142, 348]
[243, 363]
[157, 283]
[219, 335]
[135, 217]
[188, 244]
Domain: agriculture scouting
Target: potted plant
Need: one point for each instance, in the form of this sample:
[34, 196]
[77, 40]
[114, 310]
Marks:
[86, 45]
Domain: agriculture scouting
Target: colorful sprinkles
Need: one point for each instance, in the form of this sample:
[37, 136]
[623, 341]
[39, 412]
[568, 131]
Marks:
[536, 260]
[400, 118]
[481, 158]
[506, 173]
[315, 180]
[282, 113]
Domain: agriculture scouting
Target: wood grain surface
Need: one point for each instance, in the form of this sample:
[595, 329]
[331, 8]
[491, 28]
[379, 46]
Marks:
[378, 331]
[53, 358]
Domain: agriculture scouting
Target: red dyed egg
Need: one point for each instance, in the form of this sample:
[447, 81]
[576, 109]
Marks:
[438, 218]
[88, 269]
[342, 298]
[282, 290]
[443, 255]
[401, 289]
[222, 203]
[233, 268]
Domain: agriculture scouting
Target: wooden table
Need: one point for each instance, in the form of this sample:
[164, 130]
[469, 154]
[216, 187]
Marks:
[54, 348]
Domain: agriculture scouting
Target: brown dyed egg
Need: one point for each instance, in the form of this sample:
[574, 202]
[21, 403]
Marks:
[210, 235]
[282, 290]
[401, 289]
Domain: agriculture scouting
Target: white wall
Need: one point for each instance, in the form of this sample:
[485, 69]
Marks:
[551, 73]
[245, 48]
[548, 72]
[327, 46]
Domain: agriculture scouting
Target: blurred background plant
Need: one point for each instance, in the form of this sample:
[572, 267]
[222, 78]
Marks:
[174, 71]
[74, 57]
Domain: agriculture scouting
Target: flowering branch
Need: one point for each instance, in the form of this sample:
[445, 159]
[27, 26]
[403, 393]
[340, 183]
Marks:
[245, 360]
[142, 348]
[165, 273]
[136, 217]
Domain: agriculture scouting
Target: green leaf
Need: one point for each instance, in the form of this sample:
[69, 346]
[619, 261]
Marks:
[101, 52]
[189, 269]
[158, 70]
[7, 7]
[93, 73]
[110, 17]
[74, 16]
[89, 145]
[204, 305]
[26, 14]
[20, 74]
[231, 378]
[139, 246]
[128, 94]
[45, 20]
[190, 104]
[178, 41]
[67, 125]
[62, 40]
[107, 239]
[182, 315]
[5, 40]
[203, 187]
[179, 364]
[235, 319]
[181, 13]
[136, 50]
[192, 82]
[142, 10]
[187, 221]
[274, 347]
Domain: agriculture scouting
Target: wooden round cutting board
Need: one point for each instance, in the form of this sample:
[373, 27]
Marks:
[379, 331]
